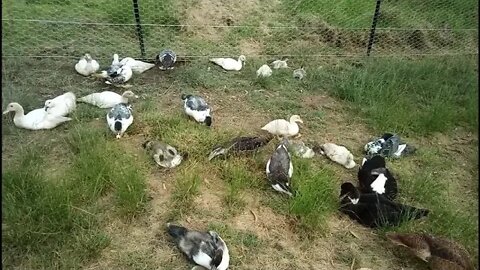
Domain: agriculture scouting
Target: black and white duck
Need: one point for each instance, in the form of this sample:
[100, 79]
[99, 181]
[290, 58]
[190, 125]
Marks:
[119, 118]
[389, 145]
[197, 108]
[166, 59]
[206, 249]
[373, 176]
[279, 169]
[245, 144]
[374, 210]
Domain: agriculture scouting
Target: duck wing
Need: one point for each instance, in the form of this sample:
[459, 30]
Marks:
[196, 103]
[120, 111]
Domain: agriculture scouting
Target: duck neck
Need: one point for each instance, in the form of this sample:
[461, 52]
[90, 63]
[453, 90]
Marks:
[124, 100]
[19, 113]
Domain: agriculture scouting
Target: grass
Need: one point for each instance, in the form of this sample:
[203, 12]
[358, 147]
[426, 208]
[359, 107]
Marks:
[422, 96]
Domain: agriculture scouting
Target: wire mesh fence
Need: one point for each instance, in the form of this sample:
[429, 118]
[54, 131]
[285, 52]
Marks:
[206, 28]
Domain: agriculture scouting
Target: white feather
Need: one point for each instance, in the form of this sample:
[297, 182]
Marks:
[283, 127]
[61, 105]
[379, 184]
[264, 71]
[229, 63]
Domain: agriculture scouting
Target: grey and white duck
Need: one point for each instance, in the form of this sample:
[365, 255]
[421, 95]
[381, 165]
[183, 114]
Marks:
[119, 118]
[197, 108]
[166, 59]
[279, 169]
[206, 249]
[164, 154]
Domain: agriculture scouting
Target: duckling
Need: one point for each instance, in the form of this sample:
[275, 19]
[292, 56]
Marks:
[373, 176]
[61, 105]
[206, 249]
[264, 71]
[164, 154]
[439, 253]
[374, 210]
[239, 145]
[119, 119]
[300, 149]
[282, 127]
[137, 66]
[229, 63]
[299, 73]
[166, 59]
[107, 99]
[35, 119]
[280, 64]
[279, 169]
[87, 66]
[196, 107]
[337, 153]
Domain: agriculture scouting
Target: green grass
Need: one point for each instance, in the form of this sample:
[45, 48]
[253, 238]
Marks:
[315, 196]
[421, 96]
[185, 190]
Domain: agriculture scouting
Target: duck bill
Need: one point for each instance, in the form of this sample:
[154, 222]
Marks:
[5, 112]
[118, 136]
[46, 108]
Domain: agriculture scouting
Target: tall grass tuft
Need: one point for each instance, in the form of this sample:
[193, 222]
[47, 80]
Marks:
[315, 197]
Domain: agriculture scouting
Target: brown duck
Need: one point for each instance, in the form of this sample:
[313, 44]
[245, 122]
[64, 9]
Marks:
[240, 144]
[439, 253]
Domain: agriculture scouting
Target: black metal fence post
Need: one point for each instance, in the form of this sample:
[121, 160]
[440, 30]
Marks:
[136, 13]
[374, 26]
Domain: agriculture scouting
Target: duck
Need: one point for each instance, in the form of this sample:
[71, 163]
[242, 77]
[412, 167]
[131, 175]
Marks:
[61, 105]
[164, 155]
[299, 73]
[107, 99]
[264, 71]
[34, 120]
[122, 75]
[87, 66]
[282, 127]
[440, 253]
[206, 249]
[337, 153]
[277, 64]
[279, 169]
[166, 59]
[375, 210]
[373, 176]
[300, 149]
[112, 70]
[389, 145]
[229, 63]
[244, 144]
[197, 108]
[137, 66]
[119, 118]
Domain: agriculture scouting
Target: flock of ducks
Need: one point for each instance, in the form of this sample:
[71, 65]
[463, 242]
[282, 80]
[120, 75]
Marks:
[371, 204]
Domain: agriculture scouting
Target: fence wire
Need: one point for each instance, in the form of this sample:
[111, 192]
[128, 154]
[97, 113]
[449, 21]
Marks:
[207, 28]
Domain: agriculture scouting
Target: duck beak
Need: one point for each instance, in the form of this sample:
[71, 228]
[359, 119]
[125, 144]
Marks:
[118, 136]
[300, 121]
[46, 108]
[6, 111]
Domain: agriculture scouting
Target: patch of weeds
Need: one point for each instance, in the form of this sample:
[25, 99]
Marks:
[187, 185]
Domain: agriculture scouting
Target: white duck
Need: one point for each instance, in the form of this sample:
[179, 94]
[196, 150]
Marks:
[107, 99]
[34, 120]
[229, 63]
[123, 75]
[282, 127]
[337, 153]
[137, 66]
[119, 119]
[264, 71]
[279, 64]
[206, 249]
[86, 65]
[196, 107]
[61, 105]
